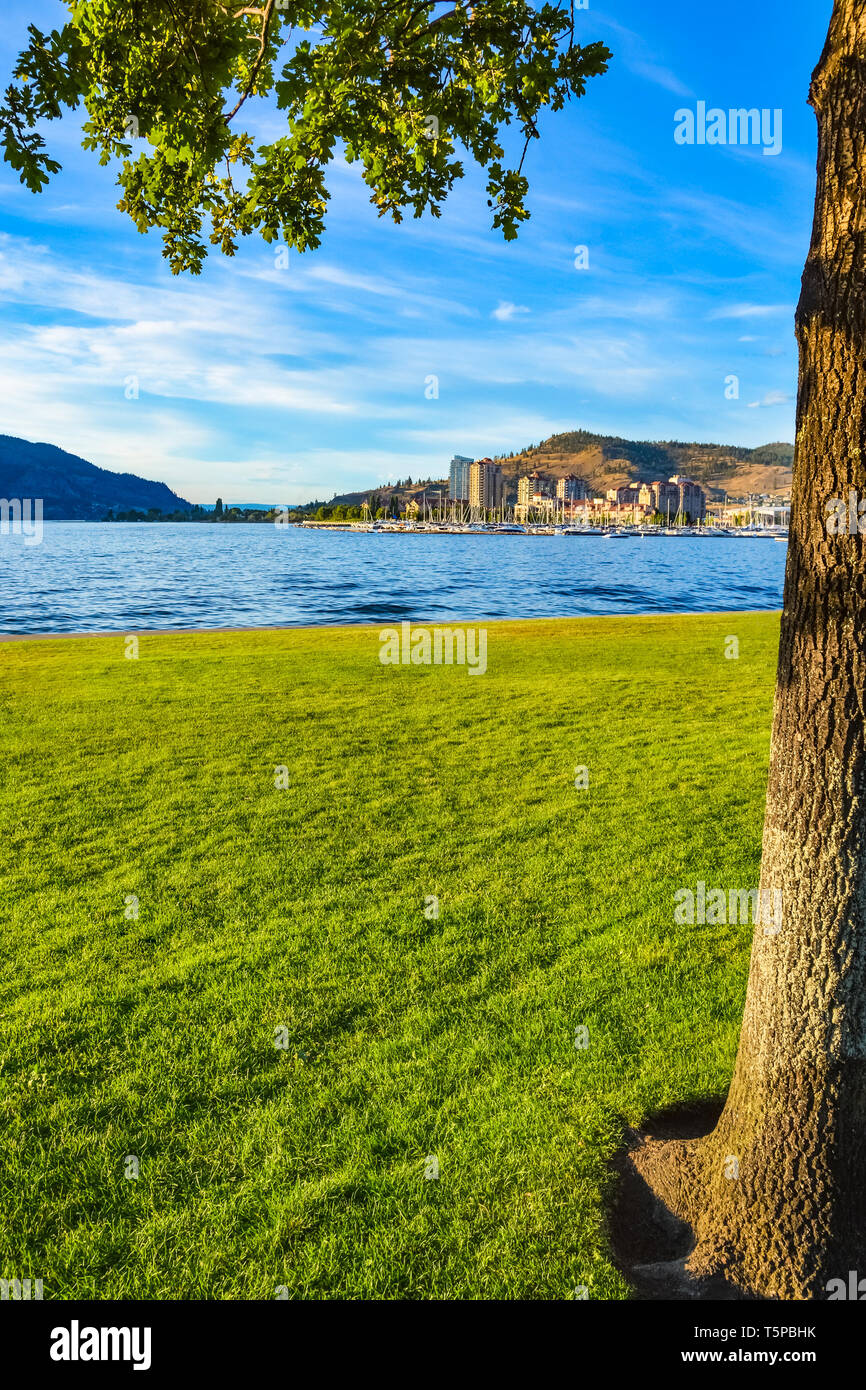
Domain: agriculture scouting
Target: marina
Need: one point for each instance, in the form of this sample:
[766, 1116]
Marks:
[777, 533]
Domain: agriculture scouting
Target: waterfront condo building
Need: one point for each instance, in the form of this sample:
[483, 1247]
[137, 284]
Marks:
[679, 496]
[657, 495]
[534, 498]
[486, 485]
[662, 497]
[627, 496]
[532, 488]
[571, 488]
[691, 498]
[458, 490]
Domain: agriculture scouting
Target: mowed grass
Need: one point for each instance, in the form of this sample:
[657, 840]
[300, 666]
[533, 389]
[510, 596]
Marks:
[408, 1036]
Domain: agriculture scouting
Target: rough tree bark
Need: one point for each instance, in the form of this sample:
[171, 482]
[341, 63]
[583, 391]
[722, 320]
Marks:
[776, 1195]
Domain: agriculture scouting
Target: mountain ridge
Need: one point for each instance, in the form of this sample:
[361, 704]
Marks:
[611, 460]
[71, 488]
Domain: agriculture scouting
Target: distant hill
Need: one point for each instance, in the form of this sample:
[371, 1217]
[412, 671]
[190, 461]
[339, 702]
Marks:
[608, 461]
[73, 489]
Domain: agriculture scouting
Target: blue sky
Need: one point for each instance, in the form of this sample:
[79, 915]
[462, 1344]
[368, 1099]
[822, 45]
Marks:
[267, 384]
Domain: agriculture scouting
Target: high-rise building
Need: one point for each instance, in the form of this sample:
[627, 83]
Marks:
[486, 485]
[663, 497]
[679, 496]
[532, 488]
[458, 490]
[691, 498]
[571, 488]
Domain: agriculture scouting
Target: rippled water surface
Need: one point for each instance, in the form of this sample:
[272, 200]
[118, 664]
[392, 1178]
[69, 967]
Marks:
[92, 577]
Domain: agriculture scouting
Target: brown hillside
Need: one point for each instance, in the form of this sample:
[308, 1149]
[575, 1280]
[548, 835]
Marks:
[607, 462]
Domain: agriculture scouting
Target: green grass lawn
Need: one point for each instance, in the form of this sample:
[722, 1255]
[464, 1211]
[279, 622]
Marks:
[408, 1036]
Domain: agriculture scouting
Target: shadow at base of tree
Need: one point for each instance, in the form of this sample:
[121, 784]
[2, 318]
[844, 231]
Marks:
[651, 1245]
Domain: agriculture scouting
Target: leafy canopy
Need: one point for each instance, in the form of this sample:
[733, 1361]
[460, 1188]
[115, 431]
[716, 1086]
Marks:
[394, 85]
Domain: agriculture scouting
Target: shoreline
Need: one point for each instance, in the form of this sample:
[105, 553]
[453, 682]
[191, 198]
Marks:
[378, 626]
[588, 530]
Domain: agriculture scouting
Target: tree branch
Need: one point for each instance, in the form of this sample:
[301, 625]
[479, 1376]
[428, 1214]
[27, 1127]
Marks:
[257, 62]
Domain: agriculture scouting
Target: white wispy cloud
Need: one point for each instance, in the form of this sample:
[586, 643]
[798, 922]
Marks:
[750, 311]
[639, 57]
[770, 399]
[505, 311]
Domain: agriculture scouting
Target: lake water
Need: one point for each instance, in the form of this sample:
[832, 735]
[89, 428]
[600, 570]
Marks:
[127, 577]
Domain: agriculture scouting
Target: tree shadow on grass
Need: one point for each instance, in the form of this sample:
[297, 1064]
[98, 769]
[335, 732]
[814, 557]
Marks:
[650, 1244]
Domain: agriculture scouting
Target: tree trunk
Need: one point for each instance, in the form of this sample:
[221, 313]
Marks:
[776, 1195]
